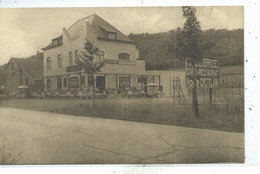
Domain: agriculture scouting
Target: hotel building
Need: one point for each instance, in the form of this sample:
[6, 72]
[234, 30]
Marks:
[123, 68]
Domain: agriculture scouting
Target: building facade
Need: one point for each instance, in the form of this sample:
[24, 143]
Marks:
[23, 72]
[123, 68]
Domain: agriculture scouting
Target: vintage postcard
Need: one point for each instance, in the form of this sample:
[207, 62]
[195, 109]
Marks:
[122, 85]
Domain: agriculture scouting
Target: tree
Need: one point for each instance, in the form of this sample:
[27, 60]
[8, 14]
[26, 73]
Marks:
[90, 64]
[189, 47]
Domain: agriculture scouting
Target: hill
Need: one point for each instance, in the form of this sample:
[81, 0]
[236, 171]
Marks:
[157, 49]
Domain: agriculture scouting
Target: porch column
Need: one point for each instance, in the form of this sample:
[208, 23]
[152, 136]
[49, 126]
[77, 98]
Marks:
[159, 82]
[130, 83]
[116, 81]
[142, 82]
[79, 80]
[68, 81]
[105, 76]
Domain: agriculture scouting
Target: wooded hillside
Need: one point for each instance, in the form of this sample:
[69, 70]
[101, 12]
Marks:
[157, 49]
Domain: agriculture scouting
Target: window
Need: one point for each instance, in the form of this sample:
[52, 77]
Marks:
[112, 35]
[13, 76]
[70, 58]
[100, 83]
[100, 56]
[59, 83]
[82, 80]
[65, 82]
[59, 61]
[49, 84]
[124, 82]
[76, 54]
[90, 81]
[74, 82]
[49, 63]
[140, 79]
[27, 81]
[123, 56]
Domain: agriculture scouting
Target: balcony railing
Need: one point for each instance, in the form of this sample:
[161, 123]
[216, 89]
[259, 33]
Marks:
[75, 68]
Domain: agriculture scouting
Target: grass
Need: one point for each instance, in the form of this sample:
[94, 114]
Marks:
[159, 111]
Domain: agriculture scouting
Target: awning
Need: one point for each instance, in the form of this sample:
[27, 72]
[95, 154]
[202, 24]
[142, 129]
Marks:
[23, 87]
[151, 85]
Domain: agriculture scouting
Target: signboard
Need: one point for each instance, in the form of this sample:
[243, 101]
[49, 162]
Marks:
[120, 62]
[74, 68]
[207, 73]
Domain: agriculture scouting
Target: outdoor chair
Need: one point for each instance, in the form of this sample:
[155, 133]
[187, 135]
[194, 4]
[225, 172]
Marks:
[48, 95]
[58, 95]
[81, 94]
[42, 95]
[62, 95]
[69, 95]
[34, 95]
[129, 94]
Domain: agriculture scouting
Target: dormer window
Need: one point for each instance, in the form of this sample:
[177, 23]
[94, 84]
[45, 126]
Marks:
[112, 35]
[55, 42]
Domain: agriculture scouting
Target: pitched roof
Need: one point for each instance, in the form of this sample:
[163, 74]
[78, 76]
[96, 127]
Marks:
[101, 27]
[32, 65]
[52, 45]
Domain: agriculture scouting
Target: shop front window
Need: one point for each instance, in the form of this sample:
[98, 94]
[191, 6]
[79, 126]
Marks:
[124, 82]
[90, 81]
[74, 82]
[65, 82]
[59, 83]
[49, 84]
[82, 80]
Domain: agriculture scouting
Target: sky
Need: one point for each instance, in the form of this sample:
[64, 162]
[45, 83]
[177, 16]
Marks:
[24, 31]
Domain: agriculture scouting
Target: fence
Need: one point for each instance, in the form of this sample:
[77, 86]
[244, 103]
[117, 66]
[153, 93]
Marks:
[227, 98]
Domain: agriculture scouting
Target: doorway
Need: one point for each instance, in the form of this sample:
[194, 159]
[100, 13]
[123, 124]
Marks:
[101, 83]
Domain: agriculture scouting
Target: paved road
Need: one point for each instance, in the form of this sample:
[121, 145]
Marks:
[47, 138]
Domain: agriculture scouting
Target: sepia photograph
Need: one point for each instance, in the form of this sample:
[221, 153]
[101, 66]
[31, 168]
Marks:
[122, 85]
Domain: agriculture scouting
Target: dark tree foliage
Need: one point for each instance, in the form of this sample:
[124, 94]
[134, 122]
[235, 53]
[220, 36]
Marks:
[159, 49]
[86, 59]
[188, 46]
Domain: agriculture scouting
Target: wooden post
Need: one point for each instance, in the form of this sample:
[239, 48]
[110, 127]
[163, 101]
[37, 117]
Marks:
[68, 81]
[130, 84]
[80, 81]
[210, 96]
[160, 89]
[142, 83]
[204, 92]
[116, 81]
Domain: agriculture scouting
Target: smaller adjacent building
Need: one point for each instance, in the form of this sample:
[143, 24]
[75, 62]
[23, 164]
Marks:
[24, 72]
[166, 80]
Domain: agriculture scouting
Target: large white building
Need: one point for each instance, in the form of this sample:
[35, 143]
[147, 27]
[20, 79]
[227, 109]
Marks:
[123, 68]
